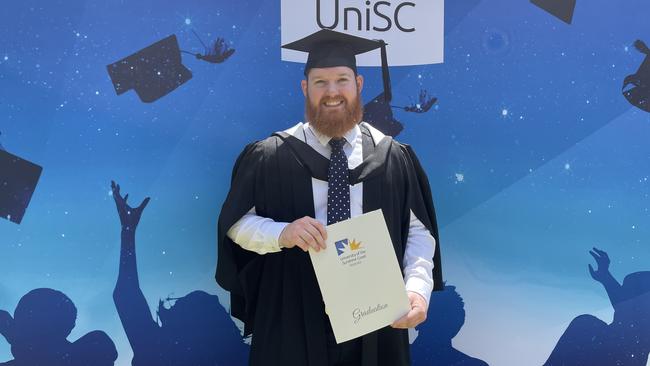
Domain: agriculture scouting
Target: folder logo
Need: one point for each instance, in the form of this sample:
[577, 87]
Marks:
[341, 245]
[346, 246]
[350, 252]
[402, 24]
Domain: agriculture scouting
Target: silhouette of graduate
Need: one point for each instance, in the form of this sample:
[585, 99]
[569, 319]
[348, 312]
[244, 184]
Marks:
[433, 345]
[39, 329]
[589, 341]
[195, 331]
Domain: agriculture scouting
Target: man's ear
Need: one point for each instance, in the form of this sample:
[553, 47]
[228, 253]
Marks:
[359, 80]
[303, 85]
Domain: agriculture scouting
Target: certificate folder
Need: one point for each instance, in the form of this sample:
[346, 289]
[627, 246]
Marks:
[359, 277]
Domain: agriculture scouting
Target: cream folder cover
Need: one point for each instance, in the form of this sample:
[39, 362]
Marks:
[359, 277]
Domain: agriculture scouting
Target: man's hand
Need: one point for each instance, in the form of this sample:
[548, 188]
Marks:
[417, 314]
[304, 233]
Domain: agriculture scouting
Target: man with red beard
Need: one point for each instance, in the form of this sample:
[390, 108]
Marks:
[285, 188]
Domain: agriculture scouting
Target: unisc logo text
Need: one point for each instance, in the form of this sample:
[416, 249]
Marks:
[412, 29]
[379, 16]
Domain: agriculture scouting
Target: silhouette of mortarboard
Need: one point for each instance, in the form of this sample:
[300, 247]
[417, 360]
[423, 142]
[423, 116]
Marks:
[18, 179]
[380, 114]
[328, 48]
[636, 87]
[152, 72]
[562, 9]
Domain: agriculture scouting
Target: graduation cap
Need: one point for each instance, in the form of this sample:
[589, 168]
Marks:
[328, 48]
[562, 9]
[636, 87]
[18, 179]
[152, 72]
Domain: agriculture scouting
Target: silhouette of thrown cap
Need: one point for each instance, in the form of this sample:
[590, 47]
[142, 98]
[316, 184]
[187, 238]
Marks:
[18, 179]
[328, 48]
[562, 9]
[152, 72]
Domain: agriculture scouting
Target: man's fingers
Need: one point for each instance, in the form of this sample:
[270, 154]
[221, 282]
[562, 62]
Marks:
[318, 225]
[409, 320]
[302, 243]
[416, 315]
[593, 254]
[401, 323]
[306, 236]
[316, 234]
[321, 228]
[305, 233]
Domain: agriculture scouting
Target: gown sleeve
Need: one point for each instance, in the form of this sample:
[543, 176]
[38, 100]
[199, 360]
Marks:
[421, 203]
[235, 265]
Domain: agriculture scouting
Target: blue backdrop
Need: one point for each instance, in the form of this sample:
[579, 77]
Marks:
[533, 154]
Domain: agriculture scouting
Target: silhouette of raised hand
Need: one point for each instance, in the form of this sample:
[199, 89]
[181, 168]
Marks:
[129, 216]
[219, 52]
[602, 260]
[425, 103]
[6, 322]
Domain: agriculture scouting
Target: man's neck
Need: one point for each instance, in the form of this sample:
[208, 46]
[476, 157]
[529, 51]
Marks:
[349, 135]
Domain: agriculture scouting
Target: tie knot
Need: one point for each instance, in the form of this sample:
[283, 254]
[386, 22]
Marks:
[337, 143]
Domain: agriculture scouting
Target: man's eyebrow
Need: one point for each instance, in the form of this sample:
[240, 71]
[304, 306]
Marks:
[323, 77]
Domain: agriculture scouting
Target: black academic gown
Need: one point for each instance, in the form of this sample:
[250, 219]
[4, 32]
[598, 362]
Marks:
[276, 295]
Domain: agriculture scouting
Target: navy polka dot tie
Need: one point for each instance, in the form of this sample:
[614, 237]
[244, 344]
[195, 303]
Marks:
[338, 188]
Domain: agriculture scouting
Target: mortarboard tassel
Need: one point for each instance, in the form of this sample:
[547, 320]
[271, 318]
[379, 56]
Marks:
[388, 94]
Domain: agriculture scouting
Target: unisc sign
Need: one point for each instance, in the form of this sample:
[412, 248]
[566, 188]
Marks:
[379, 12]
[413, 29]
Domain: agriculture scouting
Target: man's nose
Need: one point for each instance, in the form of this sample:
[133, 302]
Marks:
[332, 89]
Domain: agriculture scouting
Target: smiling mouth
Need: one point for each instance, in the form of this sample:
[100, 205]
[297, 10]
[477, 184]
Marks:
[333, 103]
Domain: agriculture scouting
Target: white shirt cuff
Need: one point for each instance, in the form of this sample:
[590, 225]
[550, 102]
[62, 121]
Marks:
[420, 286]
[272, 231]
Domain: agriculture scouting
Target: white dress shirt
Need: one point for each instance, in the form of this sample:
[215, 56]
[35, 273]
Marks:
[261, 234]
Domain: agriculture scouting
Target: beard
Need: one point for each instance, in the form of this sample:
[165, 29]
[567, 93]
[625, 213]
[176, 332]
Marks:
[334, 123]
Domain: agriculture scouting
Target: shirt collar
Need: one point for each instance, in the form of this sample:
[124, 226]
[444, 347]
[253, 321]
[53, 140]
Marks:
[350, 136]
